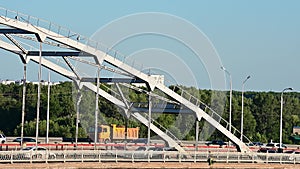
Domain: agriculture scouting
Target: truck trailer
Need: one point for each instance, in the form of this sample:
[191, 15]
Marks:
[113, 133]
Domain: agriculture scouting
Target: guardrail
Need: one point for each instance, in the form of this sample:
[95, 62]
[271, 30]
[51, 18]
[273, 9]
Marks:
[188, 146]
[80, 146]
[40, 139]
[144, 156]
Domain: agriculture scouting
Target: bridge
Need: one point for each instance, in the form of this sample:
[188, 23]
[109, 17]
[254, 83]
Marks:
[55, 43]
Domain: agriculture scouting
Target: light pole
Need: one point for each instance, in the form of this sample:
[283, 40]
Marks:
[281, 108]
[230, 96]
[242, 115]
[48, 110]
[149, 120]
[23, 104]
[97, 109]
[38, 97]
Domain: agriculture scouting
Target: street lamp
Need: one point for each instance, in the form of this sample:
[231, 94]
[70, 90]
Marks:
[242, 115]
[230, 96]
[281, 108]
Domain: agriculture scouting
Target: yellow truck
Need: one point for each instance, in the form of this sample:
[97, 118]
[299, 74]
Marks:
[112, 133]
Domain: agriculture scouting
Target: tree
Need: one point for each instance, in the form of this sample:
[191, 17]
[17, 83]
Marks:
[261, 112]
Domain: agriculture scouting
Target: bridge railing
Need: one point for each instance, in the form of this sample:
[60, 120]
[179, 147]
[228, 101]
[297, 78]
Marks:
[145, 156]
[211, 112]
[167, 132]
[62, 32]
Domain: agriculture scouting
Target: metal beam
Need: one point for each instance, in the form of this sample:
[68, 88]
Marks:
[169, 108]
[14, 31]
[112, 80]
[14, 49]
[159, 132]
[122, 96]
[162, 110]
[59, 53]
[97, 65]
[9, 47]
[54, 67]
[202, 114]
[43, 33]
[71, 67]
[14, 41]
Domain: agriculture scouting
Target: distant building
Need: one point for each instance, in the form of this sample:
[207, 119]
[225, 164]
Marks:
[43, 83]
[159, 79]
[296, 130]
[7, 82]
[20, 82]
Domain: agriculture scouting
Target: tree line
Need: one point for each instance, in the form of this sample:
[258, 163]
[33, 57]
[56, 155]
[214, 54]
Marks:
[261, 112]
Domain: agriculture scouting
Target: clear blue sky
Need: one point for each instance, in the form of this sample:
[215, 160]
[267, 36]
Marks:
[257, 38]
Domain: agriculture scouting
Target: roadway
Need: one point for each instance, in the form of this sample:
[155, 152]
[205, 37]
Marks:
[55, 143]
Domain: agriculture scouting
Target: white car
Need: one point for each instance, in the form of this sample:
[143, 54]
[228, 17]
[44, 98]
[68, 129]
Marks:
[2, 138]
[145, 152]
[295, 155]
[37, 153]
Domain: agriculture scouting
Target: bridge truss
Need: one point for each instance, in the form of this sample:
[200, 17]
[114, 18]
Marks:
[57, 42]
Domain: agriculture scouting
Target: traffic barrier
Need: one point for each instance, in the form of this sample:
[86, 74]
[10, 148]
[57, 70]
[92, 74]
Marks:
[145, 156]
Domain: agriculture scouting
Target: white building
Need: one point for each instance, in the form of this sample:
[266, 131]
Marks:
[159, 80]
[20, 82]
[7, 82]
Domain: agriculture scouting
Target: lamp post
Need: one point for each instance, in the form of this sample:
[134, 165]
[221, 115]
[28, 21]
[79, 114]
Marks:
[149, 120]
[38, 97]
[281, 108]
[97, 109]
[23, 104]
[230, 96]
[48, 110]
[242, 115]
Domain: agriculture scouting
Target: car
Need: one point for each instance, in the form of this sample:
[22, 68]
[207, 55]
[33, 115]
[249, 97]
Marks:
[140, 141]
[275, 145]
[37, 152]
[72, 140]
[216, 142]
[145, 152]
[266, 150]
[293, 156]
[140, 152]
[292, 152]
[25, 139]
[258, 144]
[170, 149]
[172, 152]
[142, 148]
[272, 148]
[156, 152]
[2, 138]
[250, 144]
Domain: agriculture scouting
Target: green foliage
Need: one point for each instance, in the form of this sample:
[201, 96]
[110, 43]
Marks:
[261, 112]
